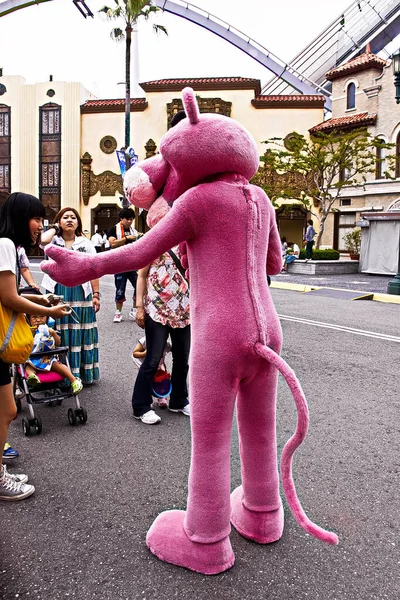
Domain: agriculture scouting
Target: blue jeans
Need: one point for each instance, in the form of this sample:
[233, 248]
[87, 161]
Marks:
[156, 338]
[309, 248]
[120, 284]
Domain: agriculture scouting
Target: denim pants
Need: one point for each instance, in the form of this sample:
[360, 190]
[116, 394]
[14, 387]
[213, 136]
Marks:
[309, 249]
[120, 284]
[156, 338]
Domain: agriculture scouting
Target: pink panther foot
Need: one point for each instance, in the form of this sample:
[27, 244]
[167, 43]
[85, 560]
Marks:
[168, 541]
[261, 527]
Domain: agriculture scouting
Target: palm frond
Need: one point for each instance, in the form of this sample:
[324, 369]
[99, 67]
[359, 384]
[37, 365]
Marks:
[117, 34]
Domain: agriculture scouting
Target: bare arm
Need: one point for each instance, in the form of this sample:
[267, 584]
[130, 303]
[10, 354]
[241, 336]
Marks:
[115, 243]
[274, 256]
[10, 298]
[47, 236]
[27, 275]
[141, 286]
[55, 335]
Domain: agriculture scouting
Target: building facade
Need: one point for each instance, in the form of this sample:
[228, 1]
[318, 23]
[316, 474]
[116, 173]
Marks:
[58, 142]
[363, 95]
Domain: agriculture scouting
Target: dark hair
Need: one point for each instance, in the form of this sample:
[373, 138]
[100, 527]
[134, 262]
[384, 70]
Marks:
[17, 211]
[283, 239]
[309, 222]
[177, 118]
[78, 230]
[127, 213]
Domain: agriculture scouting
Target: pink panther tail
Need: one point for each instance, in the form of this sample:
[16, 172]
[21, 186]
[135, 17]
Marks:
[294, 442]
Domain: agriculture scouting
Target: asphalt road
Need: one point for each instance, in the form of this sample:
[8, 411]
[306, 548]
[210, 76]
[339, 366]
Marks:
[100, 486]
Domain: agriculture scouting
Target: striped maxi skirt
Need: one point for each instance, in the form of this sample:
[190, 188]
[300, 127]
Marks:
[82, 338]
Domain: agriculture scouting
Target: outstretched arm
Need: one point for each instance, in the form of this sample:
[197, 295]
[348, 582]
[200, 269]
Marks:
[74, 268]
[274, 256]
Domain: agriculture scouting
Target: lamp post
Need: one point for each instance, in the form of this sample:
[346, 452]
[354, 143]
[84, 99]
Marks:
[394, 284]
[396, 73]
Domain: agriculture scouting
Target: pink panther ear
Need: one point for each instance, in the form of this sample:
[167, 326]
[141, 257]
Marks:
[190, 105]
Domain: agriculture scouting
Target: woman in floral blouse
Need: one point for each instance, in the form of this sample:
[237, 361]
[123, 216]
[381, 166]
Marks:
[162, 302]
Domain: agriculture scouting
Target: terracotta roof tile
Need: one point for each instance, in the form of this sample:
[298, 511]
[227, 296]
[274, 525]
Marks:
[113, 105]
[358, 63]
[202, 83]
[348, 122]
[289, 101]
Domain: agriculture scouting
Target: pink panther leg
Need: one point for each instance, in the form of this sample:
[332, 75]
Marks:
[257, 511]
[198, 538]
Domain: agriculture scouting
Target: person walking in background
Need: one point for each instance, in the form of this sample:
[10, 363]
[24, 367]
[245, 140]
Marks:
[309, 239]
[78, 330]
[106, 242]
[21, 223]
[97, 241]
[121, 234]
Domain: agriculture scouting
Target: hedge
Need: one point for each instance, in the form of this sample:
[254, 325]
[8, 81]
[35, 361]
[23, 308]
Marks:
[327, 254]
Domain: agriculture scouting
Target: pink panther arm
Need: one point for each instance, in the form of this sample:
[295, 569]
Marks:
[74, 268]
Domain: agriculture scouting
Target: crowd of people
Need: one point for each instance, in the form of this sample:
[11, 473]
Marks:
[160, 306]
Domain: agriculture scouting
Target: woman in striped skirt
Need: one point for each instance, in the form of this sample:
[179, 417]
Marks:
[78, 330]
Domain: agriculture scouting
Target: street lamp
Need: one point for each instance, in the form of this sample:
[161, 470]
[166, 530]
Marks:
[396, 73]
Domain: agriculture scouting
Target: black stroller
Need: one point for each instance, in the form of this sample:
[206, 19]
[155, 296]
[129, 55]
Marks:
[49, 391]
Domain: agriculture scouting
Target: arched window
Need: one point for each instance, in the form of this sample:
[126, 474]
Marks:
[398, 155]
[351, 95]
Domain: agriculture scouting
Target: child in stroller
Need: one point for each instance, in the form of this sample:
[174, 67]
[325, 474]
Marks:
[46, 338]
[42, 376]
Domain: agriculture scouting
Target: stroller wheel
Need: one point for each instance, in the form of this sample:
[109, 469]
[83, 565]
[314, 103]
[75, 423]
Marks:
[81, 414]
[71, 417]
[37, 423]
[26, 427]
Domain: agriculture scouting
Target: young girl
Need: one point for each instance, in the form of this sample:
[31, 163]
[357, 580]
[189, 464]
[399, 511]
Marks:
[21, 222]
[46, 338]
[138, 356]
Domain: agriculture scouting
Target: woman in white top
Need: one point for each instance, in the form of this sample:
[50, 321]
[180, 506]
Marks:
[21, 223]
[78, 330]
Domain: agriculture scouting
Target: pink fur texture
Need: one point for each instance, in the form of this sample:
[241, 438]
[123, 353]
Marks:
[232, 242]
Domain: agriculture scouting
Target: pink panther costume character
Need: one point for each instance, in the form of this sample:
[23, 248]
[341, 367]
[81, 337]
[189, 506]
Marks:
[202, 174]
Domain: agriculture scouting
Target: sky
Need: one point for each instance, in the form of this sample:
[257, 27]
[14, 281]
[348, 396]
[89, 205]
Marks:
[53, 38]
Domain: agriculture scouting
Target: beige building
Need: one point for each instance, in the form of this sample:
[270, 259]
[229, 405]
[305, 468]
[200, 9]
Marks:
[57, 141]
[363, 95]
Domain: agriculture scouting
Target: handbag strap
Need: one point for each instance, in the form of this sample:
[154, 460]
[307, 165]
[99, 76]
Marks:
[178, 264]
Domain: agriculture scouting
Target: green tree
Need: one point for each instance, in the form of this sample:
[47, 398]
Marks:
[129, 11]
[318, 170]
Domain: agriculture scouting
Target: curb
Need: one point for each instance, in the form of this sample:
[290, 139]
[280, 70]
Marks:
[299, 287]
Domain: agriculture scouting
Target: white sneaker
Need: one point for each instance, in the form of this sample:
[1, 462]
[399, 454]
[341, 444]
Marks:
[17, 478]
[149, 418]
[117, 317]
[185, 410]
[11, 489]
[132, 314]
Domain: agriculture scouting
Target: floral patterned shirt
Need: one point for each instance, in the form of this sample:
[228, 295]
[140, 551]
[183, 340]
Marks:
[166, 300]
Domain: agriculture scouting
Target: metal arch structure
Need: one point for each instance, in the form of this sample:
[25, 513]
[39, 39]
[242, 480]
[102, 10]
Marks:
[290, 75]
[230, 34]
[373, 22]
[9, 6]
[376, 22]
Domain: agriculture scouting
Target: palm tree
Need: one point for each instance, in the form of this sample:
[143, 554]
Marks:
[129, 11]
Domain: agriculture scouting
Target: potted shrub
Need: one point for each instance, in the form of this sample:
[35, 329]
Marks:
[352, 243]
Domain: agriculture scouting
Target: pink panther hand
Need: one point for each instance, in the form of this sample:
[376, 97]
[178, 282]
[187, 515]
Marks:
[68, 267]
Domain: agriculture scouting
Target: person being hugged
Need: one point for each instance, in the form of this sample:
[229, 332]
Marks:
[78, 330]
